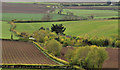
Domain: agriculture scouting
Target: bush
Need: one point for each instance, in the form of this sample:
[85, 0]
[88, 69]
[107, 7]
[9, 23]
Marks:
[25, 39]
[69, 54]
[53, 47]
[100, 41]
[40, 36]
[117, 43]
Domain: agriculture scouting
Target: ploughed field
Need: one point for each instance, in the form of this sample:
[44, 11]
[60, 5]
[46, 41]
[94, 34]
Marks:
[16, 52]
[24, 8]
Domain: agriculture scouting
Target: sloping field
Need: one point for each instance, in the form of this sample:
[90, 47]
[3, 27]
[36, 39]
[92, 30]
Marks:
[90, 27]
[15, 52]
[93, 7]
[27, 11]
[95, 13]
[6, 33]
[24, 8]
[28, 17]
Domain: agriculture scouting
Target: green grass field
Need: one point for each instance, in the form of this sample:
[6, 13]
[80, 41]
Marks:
[28, 17]
[29, 69]
[6, 34]
[96, 13]
[90, 27]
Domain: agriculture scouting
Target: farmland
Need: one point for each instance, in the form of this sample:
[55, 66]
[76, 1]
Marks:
[90, 27]
[6, 34]
[96, 13]
[28, 17]
[29, 12]
[21, 52]
[93, 7]
[35, 44]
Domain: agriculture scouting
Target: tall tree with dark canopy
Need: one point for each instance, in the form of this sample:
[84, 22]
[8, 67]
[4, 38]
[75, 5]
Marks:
[58, 28]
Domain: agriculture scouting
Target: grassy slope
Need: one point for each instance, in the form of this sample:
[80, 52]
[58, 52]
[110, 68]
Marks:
[22, 16]
[6, 34]
[90, 27]
[96, 13]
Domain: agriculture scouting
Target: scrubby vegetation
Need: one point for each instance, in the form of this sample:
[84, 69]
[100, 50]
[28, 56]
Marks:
[88, 57]
[53, 47]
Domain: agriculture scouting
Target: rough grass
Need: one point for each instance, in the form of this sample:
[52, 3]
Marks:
[28, 17]
[95, 13]
[89, 27]
[6, 33]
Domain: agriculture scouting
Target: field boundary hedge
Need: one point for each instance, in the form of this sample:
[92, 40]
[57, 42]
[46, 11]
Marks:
[13, 26]
[55, 58]
[51, 56]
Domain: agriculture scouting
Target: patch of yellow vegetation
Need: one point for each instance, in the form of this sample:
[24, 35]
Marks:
[48, 6]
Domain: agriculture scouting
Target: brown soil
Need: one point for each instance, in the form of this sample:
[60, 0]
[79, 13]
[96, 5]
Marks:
[113, 60]
[15, 52]
[24, 8]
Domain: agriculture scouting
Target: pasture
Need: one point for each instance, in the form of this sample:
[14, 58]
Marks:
[28, 17]
[6, 33]
[89, 27]
[96, 13]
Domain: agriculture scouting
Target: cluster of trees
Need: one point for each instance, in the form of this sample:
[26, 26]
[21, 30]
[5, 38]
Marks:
[87, 57]
[57, 32]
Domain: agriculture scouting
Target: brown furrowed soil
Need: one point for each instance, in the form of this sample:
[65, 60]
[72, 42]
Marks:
[15, 52]
[25, 8]
[92, 8]
[112, 62]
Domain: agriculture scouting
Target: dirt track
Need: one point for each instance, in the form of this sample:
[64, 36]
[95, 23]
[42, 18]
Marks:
[14, 52]
[24, 8]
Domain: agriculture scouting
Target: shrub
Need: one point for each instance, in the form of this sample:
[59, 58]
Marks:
[53, 47]
[25, 39]
[69, 54]
[117, 43]
[40, 35]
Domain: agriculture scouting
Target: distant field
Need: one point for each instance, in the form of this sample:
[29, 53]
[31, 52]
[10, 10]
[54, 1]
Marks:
[90, 27]
[95, 13]
[22, 16]
[6, 34]
[28, 69]
[49, 3]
